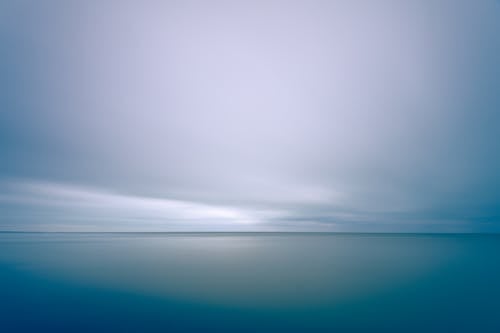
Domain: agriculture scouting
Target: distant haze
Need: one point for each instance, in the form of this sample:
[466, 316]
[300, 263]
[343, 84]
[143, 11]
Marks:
[250, 115]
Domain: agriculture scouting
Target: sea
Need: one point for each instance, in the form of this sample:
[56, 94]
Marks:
[249, 282]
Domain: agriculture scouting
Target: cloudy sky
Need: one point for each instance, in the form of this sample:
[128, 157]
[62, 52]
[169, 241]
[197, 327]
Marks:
[262, 115]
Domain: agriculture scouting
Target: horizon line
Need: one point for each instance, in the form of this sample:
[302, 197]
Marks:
[254, 232]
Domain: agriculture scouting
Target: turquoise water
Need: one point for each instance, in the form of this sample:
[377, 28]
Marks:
[249, 282]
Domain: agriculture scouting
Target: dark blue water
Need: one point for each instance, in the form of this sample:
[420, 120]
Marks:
[249, 283]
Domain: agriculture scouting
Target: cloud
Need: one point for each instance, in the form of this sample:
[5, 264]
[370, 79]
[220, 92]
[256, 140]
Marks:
[76, 208]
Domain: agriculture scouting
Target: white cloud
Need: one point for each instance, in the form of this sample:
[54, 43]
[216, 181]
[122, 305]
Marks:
[90, 205]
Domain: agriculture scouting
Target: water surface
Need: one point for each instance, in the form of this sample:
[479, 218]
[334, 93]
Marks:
[249, 282]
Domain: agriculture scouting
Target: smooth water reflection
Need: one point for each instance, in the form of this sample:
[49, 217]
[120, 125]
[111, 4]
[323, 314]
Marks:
[321, 281]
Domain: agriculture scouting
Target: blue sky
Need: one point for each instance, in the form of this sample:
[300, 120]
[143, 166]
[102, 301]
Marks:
[250, 115]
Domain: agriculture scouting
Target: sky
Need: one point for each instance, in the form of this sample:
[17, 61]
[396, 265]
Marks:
[301, 115]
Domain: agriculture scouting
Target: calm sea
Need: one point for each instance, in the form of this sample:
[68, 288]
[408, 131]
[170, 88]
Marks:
[249, 282]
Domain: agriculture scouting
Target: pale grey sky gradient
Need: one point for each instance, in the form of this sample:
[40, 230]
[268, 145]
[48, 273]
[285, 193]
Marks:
[250, 115]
